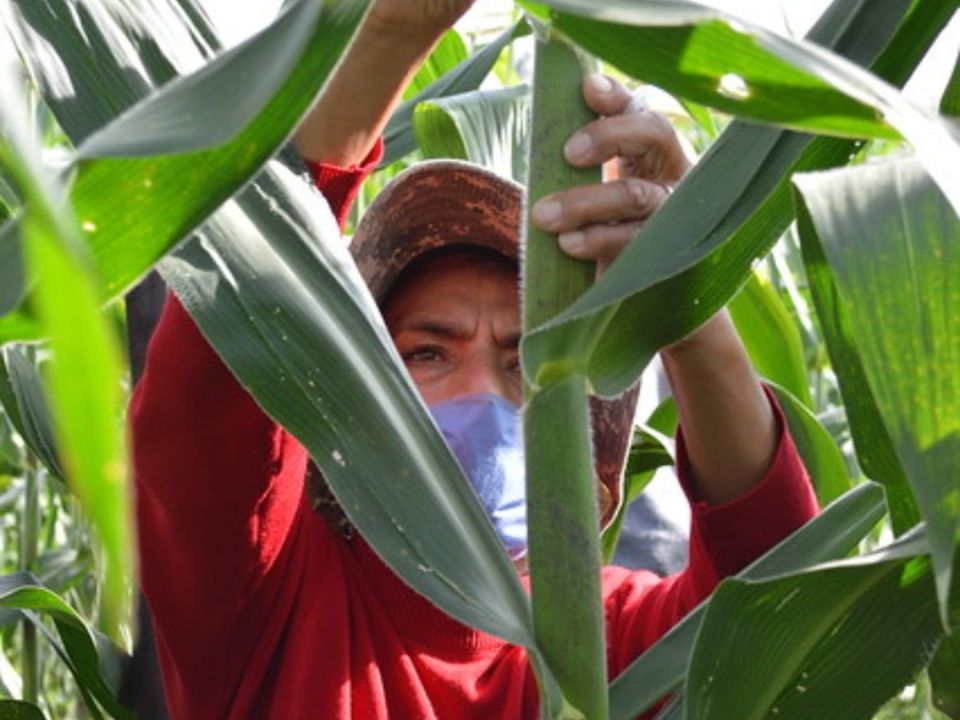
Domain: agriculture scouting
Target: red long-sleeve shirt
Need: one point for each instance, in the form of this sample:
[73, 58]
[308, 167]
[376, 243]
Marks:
[261, 611]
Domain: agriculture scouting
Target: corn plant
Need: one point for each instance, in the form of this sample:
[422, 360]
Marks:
[257, 260]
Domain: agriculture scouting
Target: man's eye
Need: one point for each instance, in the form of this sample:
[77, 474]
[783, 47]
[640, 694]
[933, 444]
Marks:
[423, 354]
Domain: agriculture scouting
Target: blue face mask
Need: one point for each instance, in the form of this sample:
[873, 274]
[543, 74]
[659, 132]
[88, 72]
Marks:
[485, 434]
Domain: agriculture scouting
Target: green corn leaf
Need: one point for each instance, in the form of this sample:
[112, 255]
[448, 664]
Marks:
[156, 125]
[27, 406]
[794, 647]
[83, 374]
[113, 56]
[19, 710]
[399, 134]
[488, 127]
[665, 418]
[770, 336]
[821, 456]
[449, 52]
[11, 268]
[728, 212]
[703, 117]
[888, 236]
[165, 196]
[272, 287]
[875, 451]
[950, 102]
[944, 672]
[830, 535]
[647, 454]
[9, 197]
[78, 645]
[19, 325]
[64, 567]
[8, 397]
[755, 73]
[713, 58]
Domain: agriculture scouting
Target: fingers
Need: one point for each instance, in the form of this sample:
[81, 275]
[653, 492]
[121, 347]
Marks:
[596, 222]
[604, 95]
[644, 141]
[627, 199]
[602, 243]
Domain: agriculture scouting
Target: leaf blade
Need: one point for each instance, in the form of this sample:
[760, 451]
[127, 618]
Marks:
[904, 310]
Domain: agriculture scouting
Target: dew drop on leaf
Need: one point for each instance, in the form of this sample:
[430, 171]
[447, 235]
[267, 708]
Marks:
[733, 86]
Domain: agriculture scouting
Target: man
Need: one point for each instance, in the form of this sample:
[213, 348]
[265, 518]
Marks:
[307, 621]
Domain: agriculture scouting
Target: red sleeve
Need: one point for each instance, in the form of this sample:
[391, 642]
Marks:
[723, 540]
[218, 483]
[340, 185]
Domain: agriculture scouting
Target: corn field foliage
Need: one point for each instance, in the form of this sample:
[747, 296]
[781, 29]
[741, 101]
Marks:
[823, 211]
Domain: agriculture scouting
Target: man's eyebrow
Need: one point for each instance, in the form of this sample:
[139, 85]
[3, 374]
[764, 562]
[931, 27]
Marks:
[432, 326]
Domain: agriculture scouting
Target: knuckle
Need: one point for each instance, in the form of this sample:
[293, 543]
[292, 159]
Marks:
[635, 193]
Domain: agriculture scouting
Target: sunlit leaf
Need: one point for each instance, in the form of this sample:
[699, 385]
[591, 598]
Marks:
[890, 239]
[750, 71]
[449, 52]
[164, 197]
[83, 374]
[874, 448]
[709, 56]
[695, 252]
[19, 325]
[466, 76]
[93, 59]
[488, 127]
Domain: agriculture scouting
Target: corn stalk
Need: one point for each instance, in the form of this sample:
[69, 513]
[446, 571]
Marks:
[562, 507]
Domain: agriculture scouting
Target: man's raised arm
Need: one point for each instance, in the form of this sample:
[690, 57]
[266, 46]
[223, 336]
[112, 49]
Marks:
[394, 39]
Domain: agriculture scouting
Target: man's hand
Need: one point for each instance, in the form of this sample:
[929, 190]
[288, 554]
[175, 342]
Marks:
[729, 428]
[595, 222]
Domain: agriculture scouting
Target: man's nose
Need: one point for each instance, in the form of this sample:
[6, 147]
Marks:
[486, 374]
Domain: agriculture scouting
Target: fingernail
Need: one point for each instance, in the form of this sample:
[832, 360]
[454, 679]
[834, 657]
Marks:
[578, 146]
[546, 212]
[600, 83]
[572, 241]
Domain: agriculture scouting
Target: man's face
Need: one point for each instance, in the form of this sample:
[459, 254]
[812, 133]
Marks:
[455, 320]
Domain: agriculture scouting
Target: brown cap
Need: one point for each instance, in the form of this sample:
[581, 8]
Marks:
[441, 203]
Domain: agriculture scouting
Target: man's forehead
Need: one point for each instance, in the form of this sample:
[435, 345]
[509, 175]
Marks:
[452, 265]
